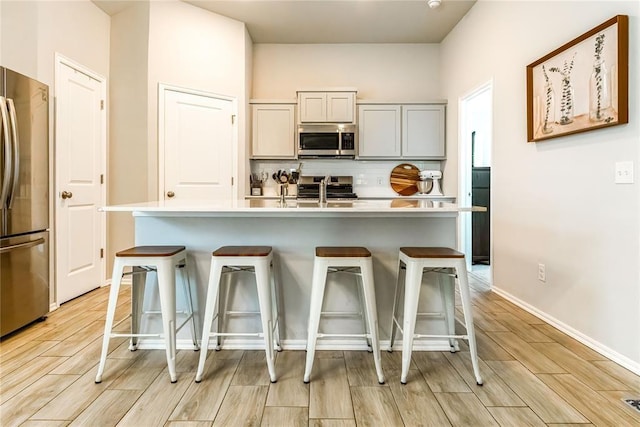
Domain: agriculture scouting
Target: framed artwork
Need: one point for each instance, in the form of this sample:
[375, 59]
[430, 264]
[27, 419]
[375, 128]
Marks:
[581, 86]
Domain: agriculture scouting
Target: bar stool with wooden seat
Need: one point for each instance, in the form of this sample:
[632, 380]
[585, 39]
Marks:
[233, 259]
[417, 261]
[163, 260]
[353, 260]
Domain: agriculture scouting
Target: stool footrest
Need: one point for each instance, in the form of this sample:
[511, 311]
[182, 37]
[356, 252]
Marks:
[236, 334]
[344, 335]
[130, 335]
[459, 337]
[159, 313]
[431, 315]
[118, 335]
[242, 313]
[341, 313]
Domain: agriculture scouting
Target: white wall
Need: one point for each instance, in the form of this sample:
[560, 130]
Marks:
[31, 32]
[196, 49]
[385, 72]
[19, 37]
[395, 72]
[177, 44]
[554, 202]
[128, 180]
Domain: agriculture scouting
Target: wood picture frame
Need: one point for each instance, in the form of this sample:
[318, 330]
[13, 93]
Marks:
[581, 86]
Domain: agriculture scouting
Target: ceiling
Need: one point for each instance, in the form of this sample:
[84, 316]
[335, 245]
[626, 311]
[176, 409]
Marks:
[333, 21]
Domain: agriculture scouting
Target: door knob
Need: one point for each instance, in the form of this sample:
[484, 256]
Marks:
[170, 194]
[66, 195]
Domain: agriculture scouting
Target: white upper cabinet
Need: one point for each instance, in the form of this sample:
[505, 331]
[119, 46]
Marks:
[327, 107]
[273, 131]
[313, 106]
[411, 131]
[341, 107]
[379, 131]
[423, 131]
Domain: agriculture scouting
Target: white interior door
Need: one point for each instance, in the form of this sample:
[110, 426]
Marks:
[197, 140]
[80, 138]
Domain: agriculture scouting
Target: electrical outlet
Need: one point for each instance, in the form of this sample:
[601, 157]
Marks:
[379, 180]
[624, 173]
[542, 274]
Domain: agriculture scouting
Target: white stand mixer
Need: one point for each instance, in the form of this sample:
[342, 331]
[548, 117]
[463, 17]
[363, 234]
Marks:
[435, 176]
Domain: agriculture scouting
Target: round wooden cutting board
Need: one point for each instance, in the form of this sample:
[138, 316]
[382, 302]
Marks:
[404, 178]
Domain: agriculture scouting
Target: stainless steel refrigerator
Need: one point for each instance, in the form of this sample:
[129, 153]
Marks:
[24, 200]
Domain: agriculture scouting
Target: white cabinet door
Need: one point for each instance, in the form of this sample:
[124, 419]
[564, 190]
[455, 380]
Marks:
[197, 140]
[379, 131]
[327, 107]
[273, 131]
[340, 107]
[313, 107]
[423, 131]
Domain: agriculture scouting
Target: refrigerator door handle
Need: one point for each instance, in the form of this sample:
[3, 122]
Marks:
[6, 146]
[25, 245]
[16, 151]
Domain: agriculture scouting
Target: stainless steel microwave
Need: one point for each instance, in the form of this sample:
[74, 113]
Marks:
[330, 141]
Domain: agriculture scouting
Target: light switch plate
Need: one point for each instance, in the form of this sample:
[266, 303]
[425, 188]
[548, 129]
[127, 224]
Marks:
[624, 173]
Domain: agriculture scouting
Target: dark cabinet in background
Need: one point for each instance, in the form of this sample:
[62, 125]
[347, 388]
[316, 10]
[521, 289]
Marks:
[480, 196]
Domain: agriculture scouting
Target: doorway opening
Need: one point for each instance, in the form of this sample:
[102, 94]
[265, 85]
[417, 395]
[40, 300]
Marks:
[476, 141]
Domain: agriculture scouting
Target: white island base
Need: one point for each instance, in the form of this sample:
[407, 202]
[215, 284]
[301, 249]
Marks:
[294, 231]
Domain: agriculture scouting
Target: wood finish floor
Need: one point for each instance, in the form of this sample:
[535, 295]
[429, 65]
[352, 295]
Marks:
[533, 374]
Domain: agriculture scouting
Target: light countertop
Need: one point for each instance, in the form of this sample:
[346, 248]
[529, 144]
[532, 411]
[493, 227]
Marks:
[271, 207]
[415, 196]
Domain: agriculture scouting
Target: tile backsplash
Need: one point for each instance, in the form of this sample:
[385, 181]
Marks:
[370, 177]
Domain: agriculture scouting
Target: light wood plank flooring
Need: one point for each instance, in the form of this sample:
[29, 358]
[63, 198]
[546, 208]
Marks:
[534, 376]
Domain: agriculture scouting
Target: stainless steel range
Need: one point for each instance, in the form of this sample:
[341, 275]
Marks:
[338, 187]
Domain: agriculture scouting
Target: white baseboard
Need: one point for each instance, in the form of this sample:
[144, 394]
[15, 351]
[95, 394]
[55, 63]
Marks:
[324, 344]
[620, 359]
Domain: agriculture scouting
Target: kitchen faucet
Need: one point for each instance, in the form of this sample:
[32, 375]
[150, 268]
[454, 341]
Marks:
[323, 189]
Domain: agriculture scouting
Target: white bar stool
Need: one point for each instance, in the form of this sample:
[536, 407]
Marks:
[354, 260]
[233, 259]
[417, 261]
[163, 260]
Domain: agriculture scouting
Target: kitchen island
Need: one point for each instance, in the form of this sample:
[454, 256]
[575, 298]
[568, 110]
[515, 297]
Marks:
[294, 229]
